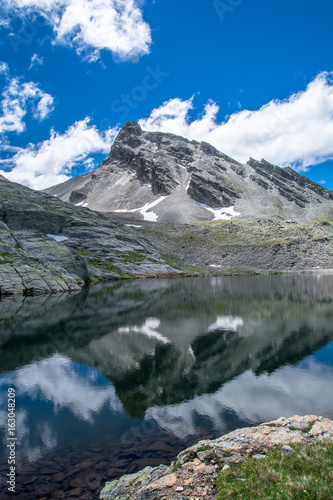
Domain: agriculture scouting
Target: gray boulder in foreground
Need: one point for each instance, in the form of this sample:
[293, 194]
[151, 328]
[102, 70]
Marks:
[193, 473]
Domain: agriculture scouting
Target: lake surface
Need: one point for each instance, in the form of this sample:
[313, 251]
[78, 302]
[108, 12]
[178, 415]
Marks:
[124, 375]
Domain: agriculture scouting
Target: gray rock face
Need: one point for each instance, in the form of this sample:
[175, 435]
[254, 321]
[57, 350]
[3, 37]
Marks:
[94, 248]
[186, 180]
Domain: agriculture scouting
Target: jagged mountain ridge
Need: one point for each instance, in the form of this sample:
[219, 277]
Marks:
[167, 178]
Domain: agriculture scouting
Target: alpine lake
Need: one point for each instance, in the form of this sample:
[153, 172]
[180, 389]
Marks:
[127, 374]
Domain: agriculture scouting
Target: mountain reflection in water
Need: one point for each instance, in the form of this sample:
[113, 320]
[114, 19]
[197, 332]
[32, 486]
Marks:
[124, 366]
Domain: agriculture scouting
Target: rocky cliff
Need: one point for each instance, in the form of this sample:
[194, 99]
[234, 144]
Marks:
[47, 245]
[166, 178]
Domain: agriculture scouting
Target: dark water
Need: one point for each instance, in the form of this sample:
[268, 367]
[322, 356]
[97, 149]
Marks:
[118, 377]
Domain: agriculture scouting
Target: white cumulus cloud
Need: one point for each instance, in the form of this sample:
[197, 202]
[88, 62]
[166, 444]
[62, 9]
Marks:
[50, 162]
[36, 61]
[297, 131]
[44, 106]
[89, 26]
[17, 99]
[3, 68]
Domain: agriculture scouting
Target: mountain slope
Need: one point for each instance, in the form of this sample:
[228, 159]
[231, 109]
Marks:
[166, 178]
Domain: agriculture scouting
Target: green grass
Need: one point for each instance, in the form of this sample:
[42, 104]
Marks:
[6, 258]
[306, 474]
[306, 430]
[278, 203]
[132, 257]
[176, 466]
[170, 260]
[85, 253]
[109, 266]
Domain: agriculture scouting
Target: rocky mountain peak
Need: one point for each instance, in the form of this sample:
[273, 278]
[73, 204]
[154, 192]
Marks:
[129, 135]
[167, 178]
[131, 128]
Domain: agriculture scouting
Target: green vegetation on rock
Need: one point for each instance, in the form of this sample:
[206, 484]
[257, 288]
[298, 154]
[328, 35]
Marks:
[132, 257]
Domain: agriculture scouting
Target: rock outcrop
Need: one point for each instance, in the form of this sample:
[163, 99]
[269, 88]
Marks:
[47, 245]
[193, 473]
[166, 178]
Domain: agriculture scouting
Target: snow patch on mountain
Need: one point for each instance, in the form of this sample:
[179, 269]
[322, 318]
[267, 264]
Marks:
[223, 213]
[57, 237]
[151, 216]
[199, 182]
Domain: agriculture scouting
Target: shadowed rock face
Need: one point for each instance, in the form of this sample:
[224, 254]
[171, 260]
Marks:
[181, 176]
[92, 247]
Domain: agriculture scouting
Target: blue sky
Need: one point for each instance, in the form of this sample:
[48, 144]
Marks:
[252, 77]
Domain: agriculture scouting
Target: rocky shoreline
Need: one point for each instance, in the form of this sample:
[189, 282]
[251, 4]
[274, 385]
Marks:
[193, 474]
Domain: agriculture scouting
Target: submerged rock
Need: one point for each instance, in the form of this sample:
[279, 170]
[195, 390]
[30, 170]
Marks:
[193, 473]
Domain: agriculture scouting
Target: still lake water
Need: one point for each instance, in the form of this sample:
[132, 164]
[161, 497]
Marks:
[125, 375]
